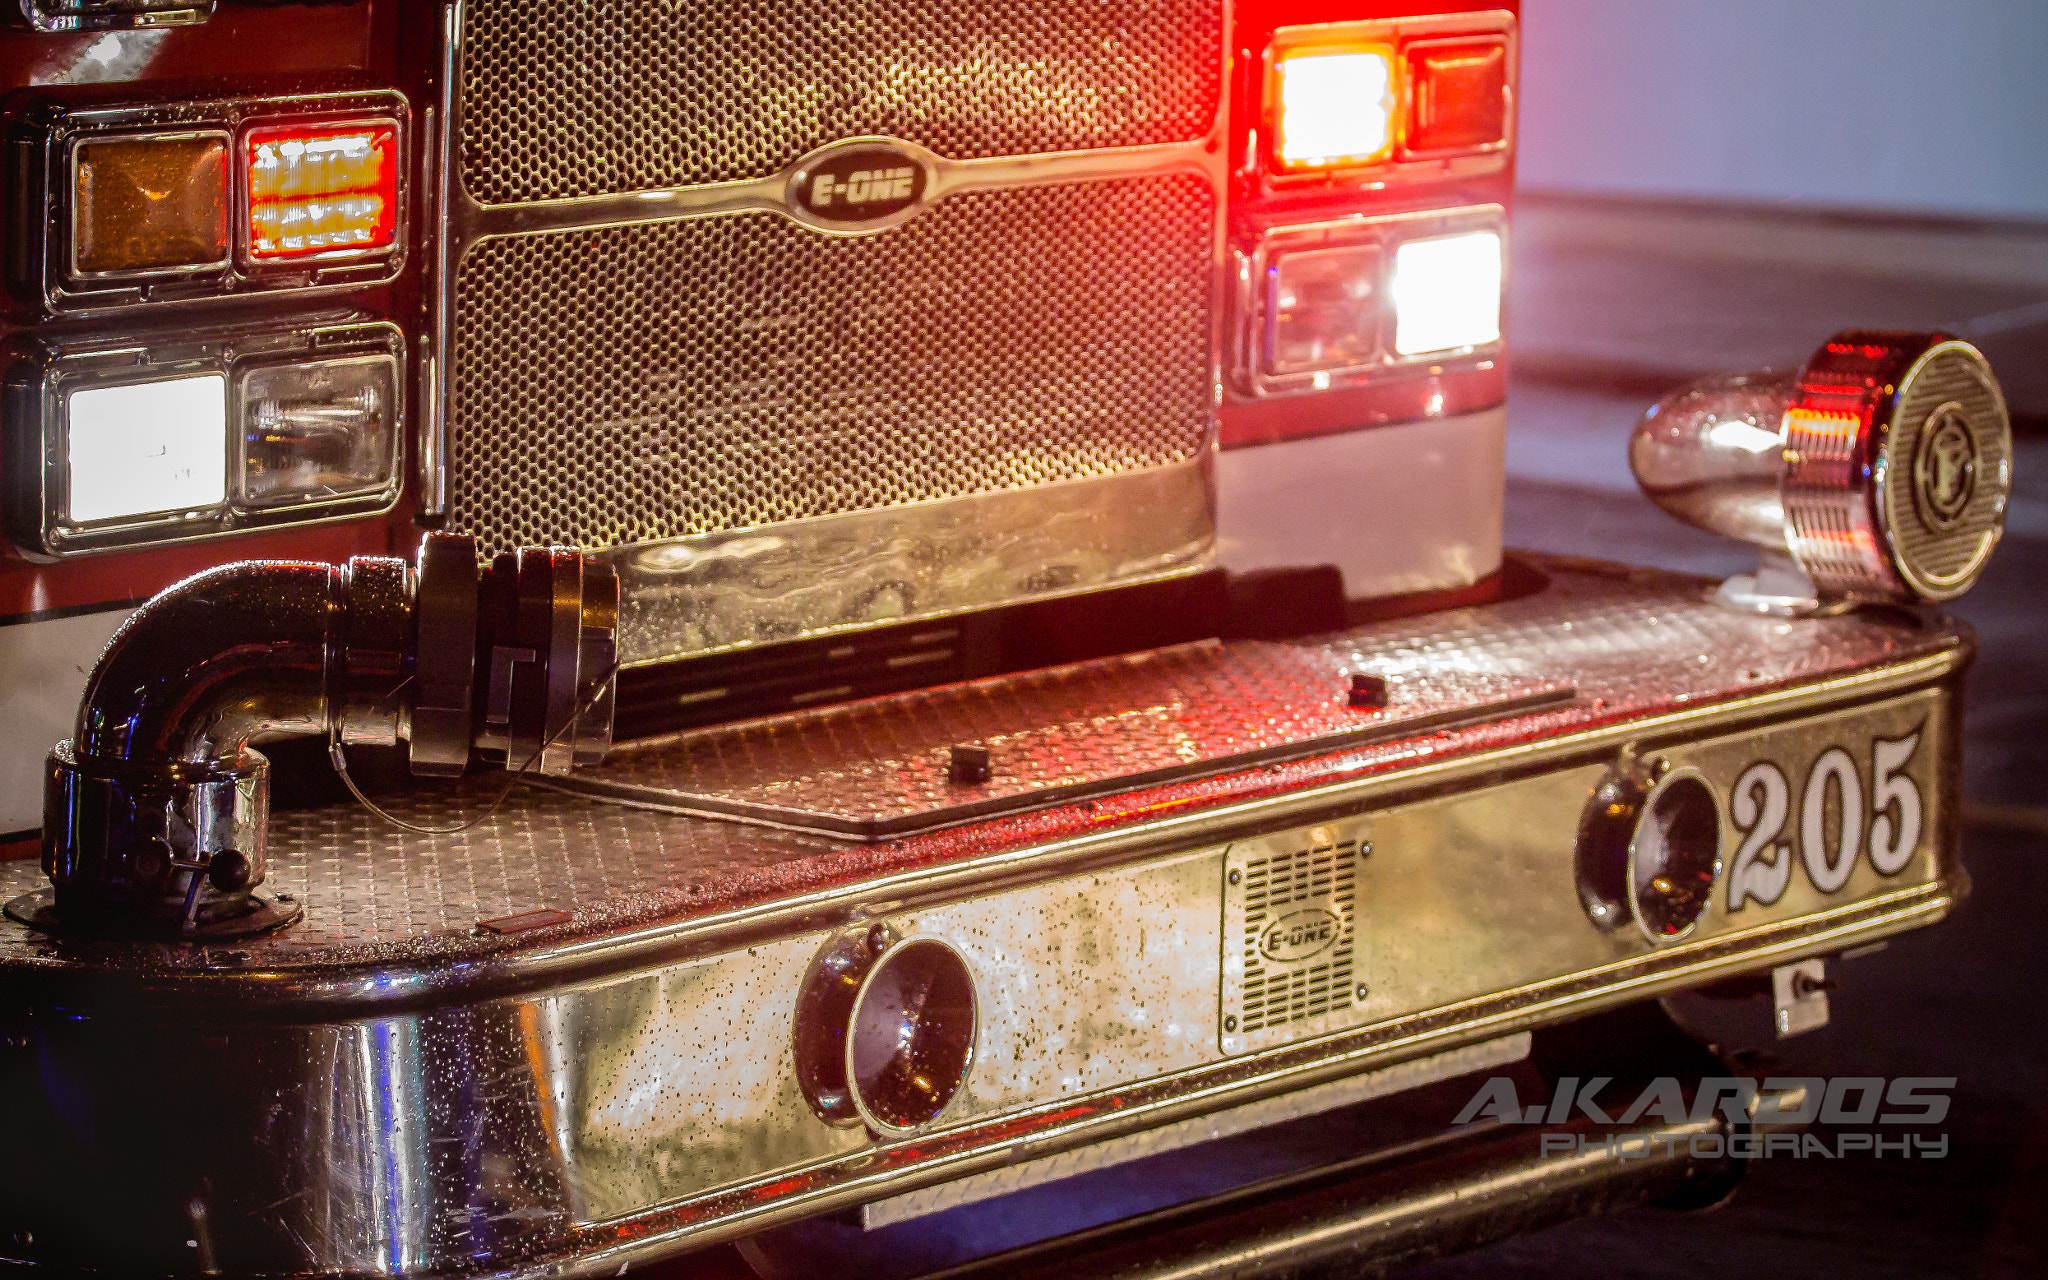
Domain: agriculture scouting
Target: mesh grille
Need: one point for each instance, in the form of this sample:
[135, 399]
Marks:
[641, 383]
[563, 99]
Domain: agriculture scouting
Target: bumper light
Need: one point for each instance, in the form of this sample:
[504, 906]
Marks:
[1879, 472]
[1447, 293]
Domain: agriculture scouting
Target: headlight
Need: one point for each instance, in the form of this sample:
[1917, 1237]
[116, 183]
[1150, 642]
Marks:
[1348, 299]
[1447, 293]
[171, 437]
[144, 448]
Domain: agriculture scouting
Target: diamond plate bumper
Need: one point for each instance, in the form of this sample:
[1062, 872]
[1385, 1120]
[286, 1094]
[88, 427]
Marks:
[387, 1087]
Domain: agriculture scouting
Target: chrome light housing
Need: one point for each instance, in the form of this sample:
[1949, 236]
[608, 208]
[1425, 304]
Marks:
[1880, 471]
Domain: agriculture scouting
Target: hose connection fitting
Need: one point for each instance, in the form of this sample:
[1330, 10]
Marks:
[1879, 472]
[155, 812]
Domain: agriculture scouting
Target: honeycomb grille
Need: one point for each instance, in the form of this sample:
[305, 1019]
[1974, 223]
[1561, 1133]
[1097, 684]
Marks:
[641, 383]
[1317, 882]
[565, 99]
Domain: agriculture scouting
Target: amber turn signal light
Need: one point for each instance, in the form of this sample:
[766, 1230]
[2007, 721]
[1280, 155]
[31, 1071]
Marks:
[150, 204]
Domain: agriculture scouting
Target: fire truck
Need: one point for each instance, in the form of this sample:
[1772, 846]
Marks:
[715, 635]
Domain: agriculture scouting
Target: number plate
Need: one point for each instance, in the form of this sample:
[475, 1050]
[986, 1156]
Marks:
[1828, 812]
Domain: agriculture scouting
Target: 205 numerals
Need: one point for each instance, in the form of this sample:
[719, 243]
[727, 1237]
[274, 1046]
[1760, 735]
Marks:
[1883, 824]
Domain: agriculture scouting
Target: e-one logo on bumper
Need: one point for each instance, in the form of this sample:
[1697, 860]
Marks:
[859, 186]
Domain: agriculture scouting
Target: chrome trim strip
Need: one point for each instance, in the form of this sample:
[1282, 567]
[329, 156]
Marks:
[443, 128]
[1379, 1083]
[771, 194]
[1081, 853]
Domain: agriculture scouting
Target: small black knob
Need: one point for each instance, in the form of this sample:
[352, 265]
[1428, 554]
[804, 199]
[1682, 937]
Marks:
[229, 871]
[969, 765]
[1368, 691]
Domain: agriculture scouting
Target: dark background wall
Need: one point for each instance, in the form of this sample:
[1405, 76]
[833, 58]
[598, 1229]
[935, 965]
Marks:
[1924, 105]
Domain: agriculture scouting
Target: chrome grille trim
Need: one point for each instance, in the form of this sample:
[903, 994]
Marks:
[770, 194]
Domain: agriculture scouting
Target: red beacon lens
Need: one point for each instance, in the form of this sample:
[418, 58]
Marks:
[329, 191]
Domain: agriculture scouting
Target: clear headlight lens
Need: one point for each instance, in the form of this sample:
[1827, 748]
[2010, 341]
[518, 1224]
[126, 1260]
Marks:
[1447, 293]
[315, 432]
[1325, 306]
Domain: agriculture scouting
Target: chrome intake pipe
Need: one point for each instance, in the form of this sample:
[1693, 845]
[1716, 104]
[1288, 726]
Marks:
[154, 813]
[1880, 471]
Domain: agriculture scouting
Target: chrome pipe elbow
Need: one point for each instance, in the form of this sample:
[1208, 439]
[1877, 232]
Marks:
[154, 813]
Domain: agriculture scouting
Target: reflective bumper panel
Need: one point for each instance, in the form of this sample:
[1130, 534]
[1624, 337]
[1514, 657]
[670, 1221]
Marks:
[585, 1032]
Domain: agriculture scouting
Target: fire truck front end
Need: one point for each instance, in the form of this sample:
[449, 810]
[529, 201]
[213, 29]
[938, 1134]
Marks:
[768, 622]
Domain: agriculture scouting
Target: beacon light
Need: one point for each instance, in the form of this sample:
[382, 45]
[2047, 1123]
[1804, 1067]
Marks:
[1880, 471]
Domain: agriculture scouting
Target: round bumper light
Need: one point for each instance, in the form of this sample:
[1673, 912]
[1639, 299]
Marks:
[1674, 855]
[1649, 850]
[1880, 471]
[911, 1036]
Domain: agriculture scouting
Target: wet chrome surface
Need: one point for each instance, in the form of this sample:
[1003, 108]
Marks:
[1636, 644]
[1096, 160]
[869, 770]
[386, 1088]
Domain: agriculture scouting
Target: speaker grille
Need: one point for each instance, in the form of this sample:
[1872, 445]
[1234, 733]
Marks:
[1317, 882]
[568, 99]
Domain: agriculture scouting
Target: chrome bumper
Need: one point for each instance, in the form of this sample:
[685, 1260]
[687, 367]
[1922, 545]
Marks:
[561, 1041]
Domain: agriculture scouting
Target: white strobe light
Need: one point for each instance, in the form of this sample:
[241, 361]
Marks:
[147, 447]
[1447, 293]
